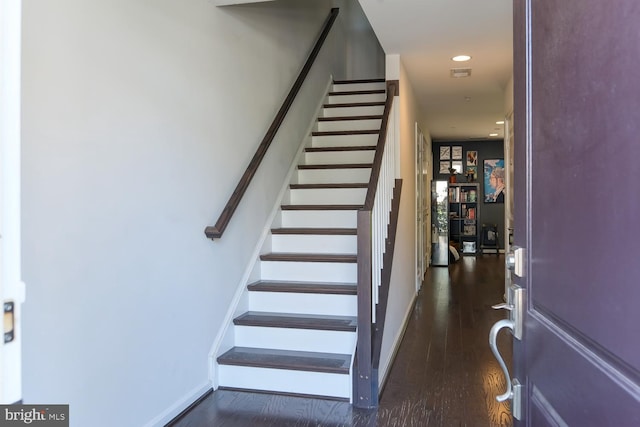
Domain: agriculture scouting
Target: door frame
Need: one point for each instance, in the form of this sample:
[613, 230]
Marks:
[11, 286]
[423, 209]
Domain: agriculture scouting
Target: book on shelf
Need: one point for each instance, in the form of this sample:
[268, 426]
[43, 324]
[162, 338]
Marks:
[469, 230]
[473, 196]
[454, 194]
[471, 213]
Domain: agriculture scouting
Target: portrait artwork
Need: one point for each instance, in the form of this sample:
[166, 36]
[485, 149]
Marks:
[494, 178]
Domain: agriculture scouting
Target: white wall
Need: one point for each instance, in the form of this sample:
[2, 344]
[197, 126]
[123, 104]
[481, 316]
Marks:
[138, 119]
[403, 289]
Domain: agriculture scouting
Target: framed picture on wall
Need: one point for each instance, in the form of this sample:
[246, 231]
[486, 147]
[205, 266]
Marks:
[456, 153]
[444, 167]
[457, 166]
[445, 153]
[472, 158]
[472, 173]
[494, 181]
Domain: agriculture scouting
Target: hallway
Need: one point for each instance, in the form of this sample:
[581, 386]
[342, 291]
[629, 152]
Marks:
[444, 373]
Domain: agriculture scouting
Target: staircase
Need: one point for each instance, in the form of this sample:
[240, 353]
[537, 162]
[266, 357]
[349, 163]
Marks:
[299, 335]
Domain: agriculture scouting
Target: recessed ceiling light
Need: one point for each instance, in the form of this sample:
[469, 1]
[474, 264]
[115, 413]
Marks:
[493, 134]
[461, 58]
[500, 122]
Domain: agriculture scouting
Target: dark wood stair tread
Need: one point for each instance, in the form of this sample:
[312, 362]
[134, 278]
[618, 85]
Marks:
[287, 359]
[355, 104]
[328, 186]
[316, 231]
[304, 257]
[346, 118]
[304, 287]
[346, 132]
[346, 82]
[358, 92]
[340, 148]
[297, 321]
[337, 166]
[320, 207]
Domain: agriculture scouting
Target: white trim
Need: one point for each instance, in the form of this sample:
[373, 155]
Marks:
[174, 410]
[11, 286]
[422, 228]
[395, 128]
[241, 288]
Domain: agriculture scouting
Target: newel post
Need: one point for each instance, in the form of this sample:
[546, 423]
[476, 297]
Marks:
[365, 388]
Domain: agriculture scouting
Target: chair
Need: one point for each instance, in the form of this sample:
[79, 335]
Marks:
[489, 238]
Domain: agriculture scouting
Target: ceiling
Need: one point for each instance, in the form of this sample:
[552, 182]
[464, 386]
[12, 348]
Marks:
[427, 34]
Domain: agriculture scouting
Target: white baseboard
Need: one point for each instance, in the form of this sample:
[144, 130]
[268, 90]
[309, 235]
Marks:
[174, 410]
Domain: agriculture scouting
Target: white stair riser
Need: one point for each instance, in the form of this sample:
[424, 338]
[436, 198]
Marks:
[326, 141]
[358, 86]
[309, 271]
[295, 339]
[369, 97]
[318, 244]
[353, 111]
[344, 196]
[333, 176]
[329, 219]
[342, 125]
[281, 380]
[290, 302]
[339, 157]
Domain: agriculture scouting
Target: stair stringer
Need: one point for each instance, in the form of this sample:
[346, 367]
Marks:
[225, 338]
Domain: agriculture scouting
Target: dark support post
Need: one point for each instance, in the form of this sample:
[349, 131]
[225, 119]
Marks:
[365, 391]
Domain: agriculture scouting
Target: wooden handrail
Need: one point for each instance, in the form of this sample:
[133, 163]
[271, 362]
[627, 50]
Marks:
[216, 231]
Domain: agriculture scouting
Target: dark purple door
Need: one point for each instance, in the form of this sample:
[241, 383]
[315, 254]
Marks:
[577, 210]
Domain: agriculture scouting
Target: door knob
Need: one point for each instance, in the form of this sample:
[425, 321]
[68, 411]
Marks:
[514, 388]
[493, 335]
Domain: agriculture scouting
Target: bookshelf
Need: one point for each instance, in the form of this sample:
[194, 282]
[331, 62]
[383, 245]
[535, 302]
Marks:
[463, 216]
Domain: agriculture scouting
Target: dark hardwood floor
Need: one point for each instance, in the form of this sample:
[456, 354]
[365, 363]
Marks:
[444, 373]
